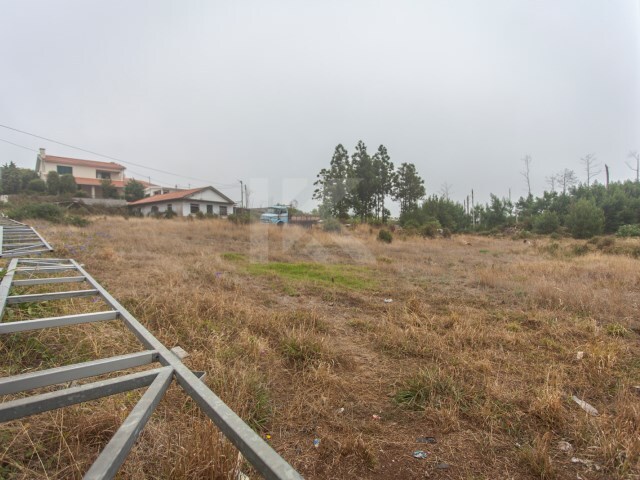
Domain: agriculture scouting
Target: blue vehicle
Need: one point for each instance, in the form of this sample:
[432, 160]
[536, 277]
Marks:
[279, 215]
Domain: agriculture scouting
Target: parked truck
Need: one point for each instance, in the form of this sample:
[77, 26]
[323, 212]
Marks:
[279, 215]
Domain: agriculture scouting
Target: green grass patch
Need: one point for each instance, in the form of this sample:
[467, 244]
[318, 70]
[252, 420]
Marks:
[234, 256]
[349, 276]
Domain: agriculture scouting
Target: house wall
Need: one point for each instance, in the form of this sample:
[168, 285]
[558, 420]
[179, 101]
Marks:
[183, 207]
[78, 171]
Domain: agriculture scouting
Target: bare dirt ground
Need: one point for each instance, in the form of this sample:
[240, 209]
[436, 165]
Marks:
[477, 349]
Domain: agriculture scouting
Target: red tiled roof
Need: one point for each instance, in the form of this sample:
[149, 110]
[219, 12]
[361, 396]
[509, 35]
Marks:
[97, 182]
[167, 196]
[84, 163]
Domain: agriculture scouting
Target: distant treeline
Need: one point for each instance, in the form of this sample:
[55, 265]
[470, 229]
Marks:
[355, 188]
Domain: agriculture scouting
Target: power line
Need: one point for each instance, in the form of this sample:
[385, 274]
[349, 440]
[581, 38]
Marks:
[17, 145]
[110, 157]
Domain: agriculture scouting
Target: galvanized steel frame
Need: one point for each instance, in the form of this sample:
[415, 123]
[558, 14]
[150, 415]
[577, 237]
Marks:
[259, 453]
[18, 239]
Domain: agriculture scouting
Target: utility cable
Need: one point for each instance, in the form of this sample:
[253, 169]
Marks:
[112, 158]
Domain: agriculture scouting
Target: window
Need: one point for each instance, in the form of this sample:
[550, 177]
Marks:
[103, 175]
[210, 209]
[223, 210]
[169, 207]
[154, 209]
[64, 170]
[195, 208]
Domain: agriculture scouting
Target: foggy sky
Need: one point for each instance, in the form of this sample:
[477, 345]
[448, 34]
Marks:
[263, 91]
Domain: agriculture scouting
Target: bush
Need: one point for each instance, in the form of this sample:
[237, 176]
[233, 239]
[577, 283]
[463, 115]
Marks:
[53, 183]
[37, 185]
[77, 221]
[385, 236]
[585, 219]
[332, 225]
[430, 229]
[546, 223]
[68, 184]
[169, 214]
[629, 231]
[81, 194]
[45, 211]
[240, 218]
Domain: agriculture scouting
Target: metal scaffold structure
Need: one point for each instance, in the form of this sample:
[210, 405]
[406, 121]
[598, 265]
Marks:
[18, 239]
[49, 274]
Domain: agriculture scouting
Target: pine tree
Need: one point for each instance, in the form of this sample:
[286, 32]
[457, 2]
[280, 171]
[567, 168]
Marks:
[333, 185]
[383, 168]
[408, 187]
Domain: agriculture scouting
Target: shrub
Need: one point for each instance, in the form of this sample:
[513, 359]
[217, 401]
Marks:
[629, 231]
[332, 225]
[585, 219]
[45, 211]
[77, 221]
[53, 183]
[68, 184]
[545, 223]
[37, 185]
[430, 229]
[239, 218]
[385, 236]
[169, 214]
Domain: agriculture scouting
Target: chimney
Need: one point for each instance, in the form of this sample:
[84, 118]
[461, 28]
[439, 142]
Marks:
[42, 153]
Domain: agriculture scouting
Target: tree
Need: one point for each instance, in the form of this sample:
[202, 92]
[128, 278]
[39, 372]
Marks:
[408, 187]
[53, 183]
[108, 189]
[567, 179]
[133, 191]
[11, 180]
[37, 185]
[26, 175]
[363, 193]
[546, 222]
[590, 166]
[526, 172]
[383, 169]
[68, 184]
[333, 185]
[636, 169]
[585, 219]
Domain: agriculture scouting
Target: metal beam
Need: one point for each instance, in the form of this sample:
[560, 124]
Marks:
[63, 321]
[258, 452]
[45, 297]
[115, 453]
[24, 407]
[54, 376]
[5, 285]
[45, 281]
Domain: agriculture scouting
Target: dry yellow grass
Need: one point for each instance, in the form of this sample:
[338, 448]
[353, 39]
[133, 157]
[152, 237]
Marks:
[477, 349]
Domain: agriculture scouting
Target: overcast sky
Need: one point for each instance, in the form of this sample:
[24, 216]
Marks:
[228, 91]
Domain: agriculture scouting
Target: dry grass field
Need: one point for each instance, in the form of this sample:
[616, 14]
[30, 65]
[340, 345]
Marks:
[477, 349]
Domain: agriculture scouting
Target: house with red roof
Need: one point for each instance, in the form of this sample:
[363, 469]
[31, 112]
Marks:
[205, 200]
[88, 174]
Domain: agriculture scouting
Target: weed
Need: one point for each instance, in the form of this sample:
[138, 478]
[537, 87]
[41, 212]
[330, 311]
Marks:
[616, 330]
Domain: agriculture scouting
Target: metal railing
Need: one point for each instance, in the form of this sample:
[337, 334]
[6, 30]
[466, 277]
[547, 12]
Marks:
[22, 272]
[18, 239]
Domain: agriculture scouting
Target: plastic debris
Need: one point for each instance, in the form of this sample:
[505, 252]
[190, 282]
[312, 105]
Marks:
[442, 466]
[316, 442]
[420, 454]
[426, 440]
[388, 300]
[565, 446]
[579, 355]
[590, 409]
[267, 436]
[340, 410]
[376, 417]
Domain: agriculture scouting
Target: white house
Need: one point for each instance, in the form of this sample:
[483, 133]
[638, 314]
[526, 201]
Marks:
[88, 174]
[206, 200]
